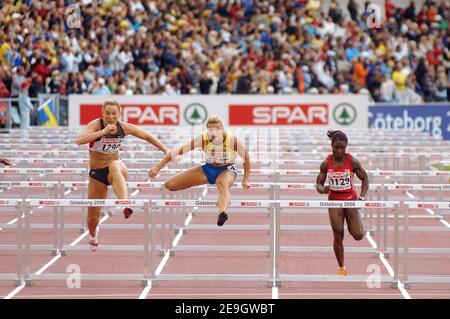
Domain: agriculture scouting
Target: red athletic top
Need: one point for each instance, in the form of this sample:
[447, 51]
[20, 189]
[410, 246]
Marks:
[341, 180]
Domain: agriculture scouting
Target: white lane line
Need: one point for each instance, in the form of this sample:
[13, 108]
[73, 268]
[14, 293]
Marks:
[388, 267]
[51, 262]
[12, 221]
[146, 290]
[163, 262]
[275, 293]
[135, 193]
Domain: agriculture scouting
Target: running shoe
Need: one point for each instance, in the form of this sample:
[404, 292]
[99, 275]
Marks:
[93, 244]
[223, 217]
[342, 272]
[127, 212]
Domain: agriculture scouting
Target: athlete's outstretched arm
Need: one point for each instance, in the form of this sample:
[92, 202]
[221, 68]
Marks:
[362, 175]
[91, 132]
[144, 135]
[240, 149]
[322, 177]
[189, 146]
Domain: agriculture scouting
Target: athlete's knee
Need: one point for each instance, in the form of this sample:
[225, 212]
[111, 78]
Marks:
[221, 185]
[338, 234]
[171, 186]
[93, 218]
[358, 235]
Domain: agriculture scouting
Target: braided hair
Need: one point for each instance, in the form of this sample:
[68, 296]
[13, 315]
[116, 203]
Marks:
[337, 136]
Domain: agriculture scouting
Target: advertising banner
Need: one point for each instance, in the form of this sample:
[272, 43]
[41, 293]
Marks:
[330, 111]
[431, 118]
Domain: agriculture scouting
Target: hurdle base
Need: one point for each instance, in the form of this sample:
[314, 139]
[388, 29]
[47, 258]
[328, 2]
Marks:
[54, 252]
[273, 284]
[386, 255]
[394, 285]
[177, 230]
[18, 282]
[63, 252]
[162, 252]
[406, 285]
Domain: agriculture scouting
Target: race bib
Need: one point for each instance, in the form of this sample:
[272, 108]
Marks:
[108, 145]
[340, 181]
[218, 157]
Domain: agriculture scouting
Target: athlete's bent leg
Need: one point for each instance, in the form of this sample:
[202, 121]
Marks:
[96, 190]
[189, 178]
[354, 223]
[223, 183]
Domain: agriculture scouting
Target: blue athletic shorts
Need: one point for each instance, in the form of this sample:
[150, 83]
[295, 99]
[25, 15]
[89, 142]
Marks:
[211, 172]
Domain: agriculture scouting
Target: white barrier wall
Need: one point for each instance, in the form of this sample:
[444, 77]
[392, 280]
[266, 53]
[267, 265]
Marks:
[336, 111]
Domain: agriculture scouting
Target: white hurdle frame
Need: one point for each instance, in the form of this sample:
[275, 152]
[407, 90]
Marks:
[148, 246]
[407, 278]
[287, 204]
[261, 204]
[18, 205]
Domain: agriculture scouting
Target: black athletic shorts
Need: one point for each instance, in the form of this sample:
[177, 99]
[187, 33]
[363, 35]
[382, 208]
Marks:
[100, 174]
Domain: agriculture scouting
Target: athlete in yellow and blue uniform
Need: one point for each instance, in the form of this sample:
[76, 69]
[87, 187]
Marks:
[220, 148]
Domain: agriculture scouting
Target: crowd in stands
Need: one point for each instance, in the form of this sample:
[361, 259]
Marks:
[225, 47]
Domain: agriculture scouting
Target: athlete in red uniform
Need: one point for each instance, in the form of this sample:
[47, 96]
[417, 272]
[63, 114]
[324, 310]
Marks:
[340, 168]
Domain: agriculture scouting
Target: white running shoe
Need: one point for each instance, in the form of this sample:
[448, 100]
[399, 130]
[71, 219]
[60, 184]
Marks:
[93, 242]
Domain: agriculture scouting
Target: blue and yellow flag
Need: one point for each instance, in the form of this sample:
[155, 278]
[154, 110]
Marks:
[46, 114]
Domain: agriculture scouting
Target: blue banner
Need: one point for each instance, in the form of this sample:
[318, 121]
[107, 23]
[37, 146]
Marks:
[434, 119]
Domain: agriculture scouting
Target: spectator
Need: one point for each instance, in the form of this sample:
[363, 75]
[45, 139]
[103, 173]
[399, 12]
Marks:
[25, 106]
[178, 42]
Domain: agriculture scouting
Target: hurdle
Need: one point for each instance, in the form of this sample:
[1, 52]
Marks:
[18, 205]
[283, 205]
[407, 278]
[261, 205]
[147, 247]
[42, 171]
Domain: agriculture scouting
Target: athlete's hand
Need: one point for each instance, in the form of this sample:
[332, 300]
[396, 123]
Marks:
[245, 184]
[326, 189]
[109, 129]
[153, 172]
[5, 161]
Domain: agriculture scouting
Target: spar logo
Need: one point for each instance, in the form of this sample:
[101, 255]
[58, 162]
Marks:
[279, 114]
[298, 204]
[195, 114]
[250, 204]
[48, 202]
[31, 184]
[296, 186]
[403, 187]
[173, 203]
[78, 184]
[344, 114]
[124, 202]
[427, 206]
[373, 204]
[144, 185]
[139, 114]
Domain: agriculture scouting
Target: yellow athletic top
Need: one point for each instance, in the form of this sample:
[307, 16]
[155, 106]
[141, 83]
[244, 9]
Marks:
[223, 153]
